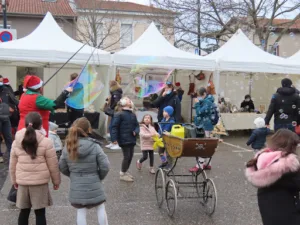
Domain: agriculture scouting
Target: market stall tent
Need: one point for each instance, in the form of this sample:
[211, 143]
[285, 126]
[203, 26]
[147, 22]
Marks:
[151, 49]
[241, 55]
[50, 44]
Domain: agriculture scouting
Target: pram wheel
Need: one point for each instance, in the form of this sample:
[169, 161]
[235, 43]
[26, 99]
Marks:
[171, 197]
[160, 185]
[209, 196]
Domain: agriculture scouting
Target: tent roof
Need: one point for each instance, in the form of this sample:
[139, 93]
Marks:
[240, 54]
[153, 50]
[295, 57]
[49, 43]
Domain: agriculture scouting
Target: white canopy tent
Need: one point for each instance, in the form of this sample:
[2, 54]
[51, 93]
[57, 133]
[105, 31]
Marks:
[153, 50]
[294, 58]
[240, 54]
[50, 44]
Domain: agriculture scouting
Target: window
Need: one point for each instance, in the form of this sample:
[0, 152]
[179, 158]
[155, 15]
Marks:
[274, 49]
[126, 35]
[2, 27]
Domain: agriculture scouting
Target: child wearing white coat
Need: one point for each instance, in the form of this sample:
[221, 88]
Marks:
[147, 132]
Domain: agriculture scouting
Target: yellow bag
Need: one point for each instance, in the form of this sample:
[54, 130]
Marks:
[158, 142]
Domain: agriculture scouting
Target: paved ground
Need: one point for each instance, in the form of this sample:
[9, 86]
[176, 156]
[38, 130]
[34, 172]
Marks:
[135, 204]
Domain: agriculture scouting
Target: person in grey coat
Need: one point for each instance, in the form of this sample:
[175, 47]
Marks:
[57, 144]
[87, 165]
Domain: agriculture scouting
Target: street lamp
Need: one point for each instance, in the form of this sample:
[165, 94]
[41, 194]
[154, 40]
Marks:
[4, 14]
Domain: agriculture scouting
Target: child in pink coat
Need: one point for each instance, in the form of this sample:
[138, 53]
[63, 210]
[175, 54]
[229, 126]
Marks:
[147, 132]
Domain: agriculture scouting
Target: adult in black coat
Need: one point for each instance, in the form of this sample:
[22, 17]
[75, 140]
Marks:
[275, 172]
[168, 97]
[285, 106]
[247, 105]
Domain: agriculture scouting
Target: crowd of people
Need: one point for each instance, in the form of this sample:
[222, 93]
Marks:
[36, 159]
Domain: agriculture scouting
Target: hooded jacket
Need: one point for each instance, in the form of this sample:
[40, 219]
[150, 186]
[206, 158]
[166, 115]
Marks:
[204, 113]
[123, 125]
[169, 100]
[26, 171]
[277, 178]
[86, 173]
[258, 138]
[146, 134]
[285, 106]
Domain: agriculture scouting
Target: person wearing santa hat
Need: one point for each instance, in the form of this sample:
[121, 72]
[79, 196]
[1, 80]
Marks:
[33, 101]
[7, 103]
[7, 85]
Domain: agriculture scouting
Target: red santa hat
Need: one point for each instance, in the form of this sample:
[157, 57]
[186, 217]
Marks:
[177, 84]
[32, 82]
[5, 81]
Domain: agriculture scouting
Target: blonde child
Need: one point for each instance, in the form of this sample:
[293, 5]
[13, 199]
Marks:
[33, 162]
[86, 164]
[147, 131]
[58, 146]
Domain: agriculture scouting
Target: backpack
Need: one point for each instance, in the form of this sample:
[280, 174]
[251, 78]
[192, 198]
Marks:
[215, 115]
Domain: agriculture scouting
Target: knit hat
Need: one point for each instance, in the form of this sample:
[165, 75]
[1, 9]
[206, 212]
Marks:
[169, 110]
[32, 82]
[177, 84]
[53, 126]
[259, 122]
[286, 82]
[6, 81]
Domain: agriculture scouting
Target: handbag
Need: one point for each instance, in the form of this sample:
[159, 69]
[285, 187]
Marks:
[12, 195]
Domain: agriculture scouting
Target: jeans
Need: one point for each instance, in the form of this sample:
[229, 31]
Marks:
[5, 129]
[110, 124]
[284, 126]
[127, 157]
[145, 157]
[40, 216]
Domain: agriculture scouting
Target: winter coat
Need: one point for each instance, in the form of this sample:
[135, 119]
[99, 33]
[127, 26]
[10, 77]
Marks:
[285, 106]
[168, 100]
[166, 125]
[248, 106]
[58, 146]
[278, 181]
[123, 126]
[146, 134]
[86, 173]
[116, 94]
[204, 113]
[7, 100]
[26, 171]
[258, 138]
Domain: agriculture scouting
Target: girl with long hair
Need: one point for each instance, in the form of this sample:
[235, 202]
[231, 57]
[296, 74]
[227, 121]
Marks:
[147, 132]
[275, 172]
[87, 165]
[33, 162]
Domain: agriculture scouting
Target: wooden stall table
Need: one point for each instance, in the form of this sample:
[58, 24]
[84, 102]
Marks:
[242, 121]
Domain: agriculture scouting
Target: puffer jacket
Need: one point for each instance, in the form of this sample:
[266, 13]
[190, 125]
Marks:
[123, 126]
[86, 173]
[258, 138]
[204, 113]
[27, 171]
[285, 106]
[277, 178]
[146, 134]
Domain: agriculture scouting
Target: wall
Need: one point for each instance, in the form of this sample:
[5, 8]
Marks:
[11, 73]
[111, 43]
[25, 25]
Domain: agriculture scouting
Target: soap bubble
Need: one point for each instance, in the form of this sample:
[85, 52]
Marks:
[292, 35]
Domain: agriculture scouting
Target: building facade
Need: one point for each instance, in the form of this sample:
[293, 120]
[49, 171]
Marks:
[113, 26]
[26, 15]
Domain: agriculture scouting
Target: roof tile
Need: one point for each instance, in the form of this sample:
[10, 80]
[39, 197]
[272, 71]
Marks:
[40, 7]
